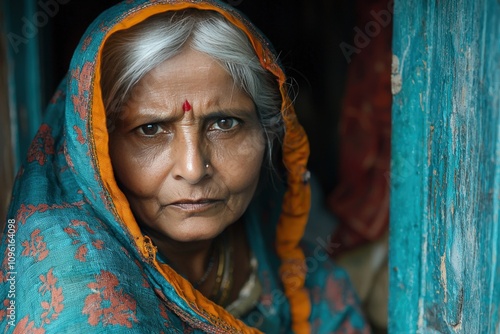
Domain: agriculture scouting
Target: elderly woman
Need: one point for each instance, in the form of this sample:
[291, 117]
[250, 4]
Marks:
[152, 199]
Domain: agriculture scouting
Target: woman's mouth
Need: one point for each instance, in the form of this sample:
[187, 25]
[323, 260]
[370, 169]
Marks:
[193, 206]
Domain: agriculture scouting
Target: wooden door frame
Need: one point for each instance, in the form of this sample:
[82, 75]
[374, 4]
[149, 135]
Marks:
[445, 184]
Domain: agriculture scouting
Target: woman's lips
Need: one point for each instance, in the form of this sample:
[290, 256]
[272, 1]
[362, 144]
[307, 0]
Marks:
[194, 206]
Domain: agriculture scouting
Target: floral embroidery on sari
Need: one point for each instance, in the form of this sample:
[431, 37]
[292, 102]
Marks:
[42, 145]
[81, 101]
[35, 247]
[79, 134]
[74, 232]
[25, 211]
[54, 306]
[122, 307]
[25, 326]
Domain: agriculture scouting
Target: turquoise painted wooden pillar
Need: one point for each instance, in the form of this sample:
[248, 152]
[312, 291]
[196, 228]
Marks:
[445, 195]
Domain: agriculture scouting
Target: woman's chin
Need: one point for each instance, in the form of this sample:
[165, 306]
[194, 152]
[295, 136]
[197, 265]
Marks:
[193, 231]
[192, 237]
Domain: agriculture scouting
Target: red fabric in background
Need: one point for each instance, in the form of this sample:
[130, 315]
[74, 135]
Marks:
[361, 199]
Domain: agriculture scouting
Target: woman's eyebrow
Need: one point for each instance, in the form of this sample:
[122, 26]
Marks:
[153, 116]
[241, 113]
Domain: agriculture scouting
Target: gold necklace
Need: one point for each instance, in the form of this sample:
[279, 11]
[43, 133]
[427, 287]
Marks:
[224, 279]
[220, 271]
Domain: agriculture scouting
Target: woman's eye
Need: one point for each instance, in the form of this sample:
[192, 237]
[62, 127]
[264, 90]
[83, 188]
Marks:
[150, 129]
[225, 124]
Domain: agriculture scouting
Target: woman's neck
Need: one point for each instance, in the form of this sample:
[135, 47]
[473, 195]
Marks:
[187, 258]
[192, 260]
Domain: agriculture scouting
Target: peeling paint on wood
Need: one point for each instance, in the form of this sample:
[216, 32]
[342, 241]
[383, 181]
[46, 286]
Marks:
[446, 141]
[396, 80]
[444, 280]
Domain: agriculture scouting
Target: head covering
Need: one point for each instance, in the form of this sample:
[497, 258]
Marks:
[75, 257]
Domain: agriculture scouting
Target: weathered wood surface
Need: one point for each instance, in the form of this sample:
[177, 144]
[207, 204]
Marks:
[445, 187]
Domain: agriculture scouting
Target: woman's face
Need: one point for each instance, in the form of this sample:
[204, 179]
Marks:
[182, 116]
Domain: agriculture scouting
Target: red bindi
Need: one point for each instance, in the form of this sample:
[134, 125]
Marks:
[186, 106]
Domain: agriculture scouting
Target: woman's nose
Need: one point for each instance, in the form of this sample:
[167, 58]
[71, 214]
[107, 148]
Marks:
[190, 159]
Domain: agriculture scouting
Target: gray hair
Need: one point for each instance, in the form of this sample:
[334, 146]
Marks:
[130, 54]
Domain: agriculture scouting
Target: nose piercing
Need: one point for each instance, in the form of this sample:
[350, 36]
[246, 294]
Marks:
[207, 165]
